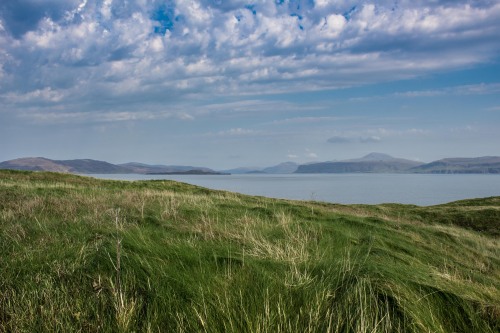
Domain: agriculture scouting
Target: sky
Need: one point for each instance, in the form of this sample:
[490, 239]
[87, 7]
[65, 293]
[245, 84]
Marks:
[224, 84]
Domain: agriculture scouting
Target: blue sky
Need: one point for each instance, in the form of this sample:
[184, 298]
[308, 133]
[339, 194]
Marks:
[248, 83]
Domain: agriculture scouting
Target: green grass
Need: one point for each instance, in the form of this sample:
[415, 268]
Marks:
[81, 254]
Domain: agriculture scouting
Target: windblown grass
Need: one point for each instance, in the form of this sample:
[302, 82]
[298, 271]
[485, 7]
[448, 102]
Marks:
[81, 254]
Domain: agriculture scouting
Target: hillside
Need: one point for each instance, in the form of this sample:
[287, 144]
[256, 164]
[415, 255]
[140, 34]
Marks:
[371, 163]
[282, 168]
[142, 168]
[88, 166]
[487, 164]
[91, 166]
[81, 254]
[71, 166]
[34, 164]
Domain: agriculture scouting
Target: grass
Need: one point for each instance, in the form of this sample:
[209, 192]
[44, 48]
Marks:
[81, 254]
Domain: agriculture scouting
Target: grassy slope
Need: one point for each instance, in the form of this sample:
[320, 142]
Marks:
[80, 254]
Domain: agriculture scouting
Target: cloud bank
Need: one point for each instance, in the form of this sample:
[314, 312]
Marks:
[99, 60]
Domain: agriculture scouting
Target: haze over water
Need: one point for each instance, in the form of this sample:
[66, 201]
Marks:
[418, 189]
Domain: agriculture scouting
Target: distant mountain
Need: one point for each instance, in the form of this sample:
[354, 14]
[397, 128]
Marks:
[142, 168]
[242, 170]
[371, 163]
[189, 172]
[486, 164]
[88, 166]
[91, 166]
[34, 164]
[283, 168]
[72, 166]
[372, 157]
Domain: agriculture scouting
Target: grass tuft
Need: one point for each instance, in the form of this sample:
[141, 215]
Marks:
[81, 254]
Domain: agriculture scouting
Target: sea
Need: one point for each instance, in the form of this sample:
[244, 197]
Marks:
[359, 188]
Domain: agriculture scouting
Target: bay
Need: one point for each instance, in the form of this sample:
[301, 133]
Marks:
[418, 189]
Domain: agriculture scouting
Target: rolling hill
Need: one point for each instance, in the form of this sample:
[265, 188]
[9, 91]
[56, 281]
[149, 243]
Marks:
[88, 166]
[487, 164]
[371, 163]
[34, 164]
[79, 254]
[282, 168]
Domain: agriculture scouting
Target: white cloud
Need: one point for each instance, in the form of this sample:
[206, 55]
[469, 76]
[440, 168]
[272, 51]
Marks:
[333, 25]
[185, 116]
[464, 129]
[100, 50]
[46, 94]
[474, 89]
[237, 132]
[304, 120]
[51, 117]
[374, 135]
[494, 108]
[245, 106]
[368, 139]
[312, 155]
[343, 139]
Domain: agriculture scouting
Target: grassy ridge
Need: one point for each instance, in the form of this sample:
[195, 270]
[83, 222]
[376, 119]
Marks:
[81, 254]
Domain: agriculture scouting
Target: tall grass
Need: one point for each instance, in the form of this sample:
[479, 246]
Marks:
[80, 254]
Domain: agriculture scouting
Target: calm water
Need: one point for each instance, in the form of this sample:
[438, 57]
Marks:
[346, 188]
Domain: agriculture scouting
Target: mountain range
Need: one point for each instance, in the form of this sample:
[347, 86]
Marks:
[487, 164]
[88, 166]
[371, 163]
[282, 168]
